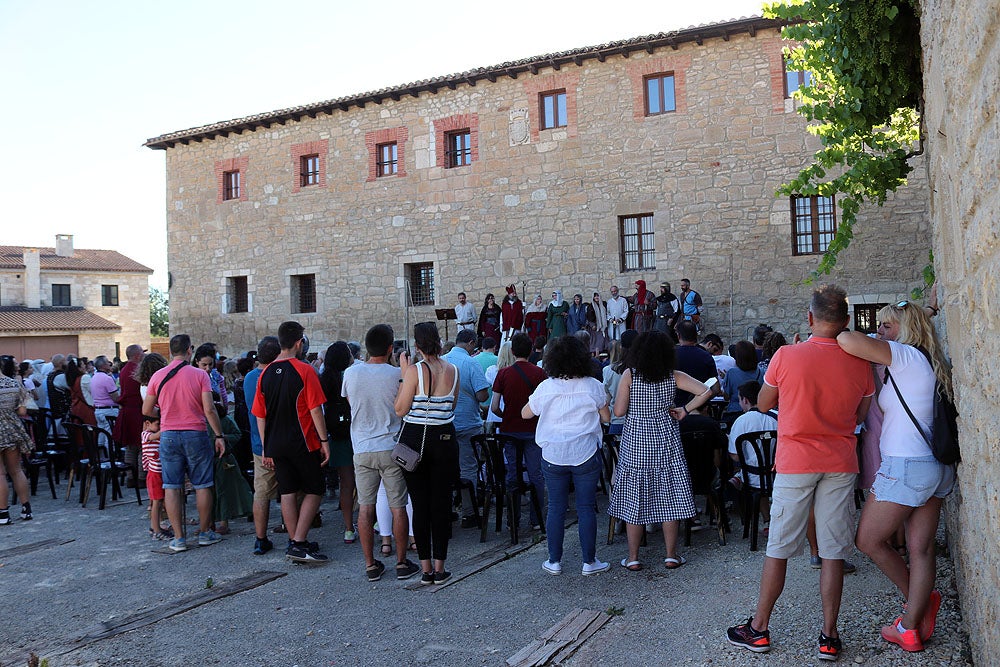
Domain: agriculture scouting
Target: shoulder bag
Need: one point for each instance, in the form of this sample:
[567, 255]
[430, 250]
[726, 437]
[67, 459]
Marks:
[943, 438]
[404, 454]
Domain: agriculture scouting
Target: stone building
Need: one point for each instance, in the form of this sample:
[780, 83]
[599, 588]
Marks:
[63, 300]
[652, 158]
[961, 65]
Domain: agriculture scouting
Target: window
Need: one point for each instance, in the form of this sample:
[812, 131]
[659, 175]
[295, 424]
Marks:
[795, 79]
[304, 293]
[864, 317]
[421, 277]
[109, 295]
[308, 170]
[237, 294]
[553, 109]
[814, 223]
[386, 159]
[659, 94]
[459, 149]
[60, 295]
[230, 185]
[636, 247]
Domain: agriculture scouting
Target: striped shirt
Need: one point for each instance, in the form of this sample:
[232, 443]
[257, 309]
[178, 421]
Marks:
[150, 454]
[431, 410]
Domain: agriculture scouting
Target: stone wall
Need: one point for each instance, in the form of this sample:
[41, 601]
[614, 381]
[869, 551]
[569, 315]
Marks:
[961, 47]
[538, 207]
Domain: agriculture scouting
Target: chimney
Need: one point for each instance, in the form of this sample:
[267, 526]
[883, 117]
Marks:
[64, 245]
[32, 279]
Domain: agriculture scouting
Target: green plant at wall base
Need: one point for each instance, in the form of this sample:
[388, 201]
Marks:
[159, 313]
[862, 102]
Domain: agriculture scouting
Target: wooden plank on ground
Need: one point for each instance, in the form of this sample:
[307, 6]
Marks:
[163, 611]
[22, 549]
[561, 640]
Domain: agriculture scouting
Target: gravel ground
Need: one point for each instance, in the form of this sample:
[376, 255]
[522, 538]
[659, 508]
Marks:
[330, 615]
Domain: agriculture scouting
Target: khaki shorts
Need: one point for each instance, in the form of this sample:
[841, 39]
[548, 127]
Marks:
[370, 468]
[832, 495]
[265, 484]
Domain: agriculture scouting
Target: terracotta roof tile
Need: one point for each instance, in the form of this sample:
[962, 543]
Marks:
[12, 257]
[671, 39]
[17, 318]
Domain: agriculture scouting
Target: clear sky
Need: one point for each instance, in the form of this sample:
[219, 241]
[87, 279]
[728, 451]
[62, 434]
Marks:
[84, 84]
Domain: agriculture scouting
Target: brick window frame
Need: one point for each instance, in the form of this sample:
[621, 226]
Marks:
[452, 124]
[674, 65]
[535, 87]
[773, 48]
[222, 167]
[812, 237]
[397, 135]
[299, 151]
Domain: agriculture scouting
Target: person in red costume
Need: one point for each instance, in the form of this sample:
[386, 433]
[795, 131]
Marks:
[643, 304]
[512, 314]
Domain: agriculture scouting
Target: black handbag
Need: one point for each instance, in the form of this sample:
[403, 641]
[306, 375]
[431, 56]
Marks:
[943, 438]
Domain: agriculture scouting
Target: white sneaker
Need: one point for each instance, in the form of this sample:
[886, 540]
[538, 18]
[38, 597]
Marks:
[595, 568]
[552, 568]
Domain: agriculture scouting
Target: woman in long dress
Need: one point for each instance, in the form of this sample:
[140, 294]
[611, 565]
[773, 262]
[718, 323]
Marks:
[556, 314]
[489, 320]
[534, 319]
[14, 439]
[651, 483]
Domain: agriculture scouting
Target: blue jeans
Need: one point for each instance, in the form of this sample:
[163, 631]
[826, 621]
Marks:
[584, 478]
[532, 463]
[190, 452]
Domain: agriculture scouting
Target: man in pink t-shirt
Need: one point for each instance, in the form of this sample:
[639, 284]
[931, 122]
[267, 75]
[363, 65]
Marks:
[824, 393]
[184, 394]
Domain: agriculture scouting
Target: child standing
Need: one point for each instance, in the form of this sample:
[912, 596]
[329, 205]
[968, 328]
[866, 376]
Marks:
[154, 479]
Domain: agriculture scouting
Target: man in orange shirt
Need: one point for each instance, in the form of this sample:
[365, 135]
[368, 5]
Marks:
[824, 394]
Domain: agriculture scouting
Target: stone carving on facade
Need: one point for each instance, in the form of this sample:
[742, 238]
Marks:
[520, 131]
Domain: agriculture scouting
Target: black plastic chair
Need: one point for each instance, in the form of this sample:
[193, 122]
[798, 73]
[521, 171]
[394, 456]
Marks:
[702, 453]
[116, 466]
[56, 445]
[490, 451]
[609, 457]
[37, 459]
[78, 461]
[763, 444]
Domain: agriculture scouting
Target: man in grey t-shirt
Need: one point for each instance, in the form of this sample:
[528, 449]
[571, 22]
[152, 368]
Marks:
[371, 389]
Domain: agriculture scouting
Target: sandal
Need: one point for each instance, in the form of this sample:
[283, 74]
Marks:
[386, 549]
[674, 562]
[631, 565]
[413, 546]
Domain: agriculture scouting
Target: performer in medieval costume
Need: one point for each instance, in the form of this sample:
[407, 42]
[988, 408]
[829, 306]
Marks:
[534, 319]
[512, 314]
[556, 315]
[577, 318]
[617, 314]
[597, 325]
[668, 308]
[643, 304]
[489, 320]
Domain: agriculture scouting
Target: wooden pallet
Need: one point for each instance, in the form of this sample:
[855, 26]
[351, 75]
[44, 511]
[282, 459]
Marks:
[561, 640]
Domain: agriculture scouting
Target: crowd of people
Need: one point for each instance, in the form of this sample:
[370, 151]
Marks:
[396, 428]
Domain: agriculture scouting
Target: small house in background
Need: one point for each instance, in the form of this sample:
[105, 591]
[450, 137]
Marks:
[63, 300]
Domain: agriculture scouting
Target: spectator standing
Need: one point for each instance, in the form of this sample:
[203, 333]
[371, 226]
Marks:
[289, 410]
[823, 393]
[337, 413]
[128, 426]
[14, 440]
[265, 486]
[184, 395]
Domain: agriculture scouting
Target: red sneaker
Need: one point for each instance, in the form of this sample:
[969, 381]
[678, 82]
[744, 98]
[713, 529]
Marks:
[930, 616]
[909, 640]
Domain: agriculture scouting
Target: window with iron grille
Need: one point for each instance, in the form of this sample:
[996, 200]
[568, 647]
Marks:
[552, 109]
[238, 294]
[636, 247]
[304, 293]
[814, 224]
[865, 315]
[459, 148]
[421, 278]
[109, 295]
[230, 185]
[309, 170]
[795, 79]
[659, 94]
[60, 295]
[386, 159]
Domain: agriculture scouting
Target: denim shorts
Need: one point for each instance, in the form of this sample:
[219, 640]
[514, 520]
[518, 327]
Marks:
[912, 481]
[188, 452]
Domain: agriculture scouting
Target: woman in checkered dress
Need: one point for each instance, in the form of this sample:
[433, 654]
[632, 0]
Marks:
[651, 483]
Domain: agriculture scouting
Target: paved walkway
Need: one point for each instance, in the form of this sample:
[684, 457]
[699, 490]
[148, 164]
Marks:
[72, 578]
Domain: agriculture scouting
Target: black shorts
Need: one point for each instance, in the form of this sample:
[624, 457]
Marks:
[300, 473]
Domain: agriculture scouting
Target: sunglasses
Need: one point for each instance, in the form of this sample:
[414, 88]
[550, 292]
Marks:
[902, 304]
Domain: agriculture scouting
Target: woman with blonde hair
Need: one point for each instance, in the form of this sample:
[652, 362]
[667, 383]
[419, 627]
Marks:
[911, 483]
